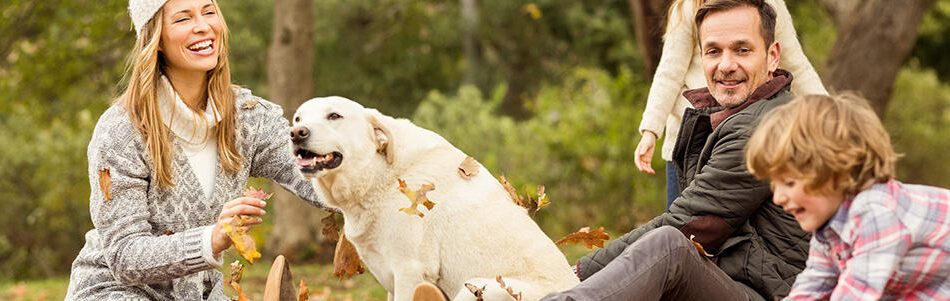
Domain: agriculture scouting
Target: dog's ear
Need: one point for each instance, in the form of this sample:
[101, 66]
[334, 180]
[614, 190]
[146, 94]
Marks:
[381, 135]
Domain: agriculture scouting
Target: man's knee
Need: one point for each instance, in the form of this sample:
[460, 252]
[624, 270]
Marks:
[665, 235]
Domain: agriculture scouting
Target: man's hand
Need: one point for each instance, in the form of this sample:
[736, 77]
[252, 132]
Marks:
[644, 152]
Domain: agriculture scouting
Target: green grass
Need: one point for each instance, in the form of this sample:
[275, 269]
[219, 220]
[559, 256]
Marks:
[318, 278]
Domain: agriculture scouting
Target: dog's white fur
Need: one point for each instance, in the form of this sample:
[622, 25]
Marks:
[474, 233]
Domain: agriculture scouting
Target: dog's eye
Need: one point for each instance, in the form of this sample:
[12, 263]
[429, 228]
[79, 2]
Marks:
[333, 116]
[297, 119]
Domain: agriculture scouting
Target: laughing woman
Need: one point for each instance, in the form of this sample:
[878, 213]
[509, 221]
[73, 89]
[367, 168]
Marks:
[169, 160]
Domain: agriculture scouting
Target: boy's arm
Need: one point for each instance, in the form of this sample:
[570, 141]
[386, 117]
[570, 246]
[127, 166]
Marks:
[879, 242]
[819, 277]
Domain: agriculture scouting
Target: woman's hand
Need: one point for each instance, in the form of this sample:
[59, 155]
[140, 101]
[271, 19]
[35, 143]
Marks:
[240, 206]
[644, 154]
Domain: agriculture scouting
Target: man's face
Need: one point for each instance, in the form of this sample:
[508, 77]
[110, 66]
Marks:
[736, 60]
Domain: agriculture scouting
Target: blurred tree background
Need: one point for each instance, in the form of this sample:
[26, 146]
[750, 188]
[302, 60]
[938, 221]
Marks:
[545, 92]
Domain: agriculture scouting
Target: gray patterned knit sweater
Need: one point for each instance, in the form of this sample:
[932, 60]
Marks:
[147, 239]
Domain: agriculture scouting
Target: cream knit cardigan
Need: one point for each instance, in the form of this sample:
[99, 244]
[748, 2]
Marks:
[681, 69]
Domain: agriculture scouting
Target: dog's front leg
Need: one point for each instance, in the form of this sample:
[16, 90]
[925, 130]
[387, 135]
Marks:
[406, 276]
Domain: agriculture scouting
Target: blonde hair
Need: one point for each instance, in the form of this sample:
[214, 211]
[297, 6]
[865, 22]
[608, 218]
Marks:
[140, 99]
[834, 143]
[675, 13]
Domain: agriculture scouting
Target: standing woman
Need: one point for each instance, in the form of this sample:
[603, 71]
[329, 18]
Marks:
[169, 160]
[680, 69]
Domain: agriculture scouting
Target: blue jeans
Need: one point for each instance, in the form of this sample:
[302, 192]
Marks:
[672, 185]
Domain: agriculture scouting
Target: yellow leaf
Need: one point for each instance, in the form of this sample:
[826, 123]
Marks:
[698, 246]
[303, 293]
[105, 184]
[243, 243]
[532, 9]
[417, 197]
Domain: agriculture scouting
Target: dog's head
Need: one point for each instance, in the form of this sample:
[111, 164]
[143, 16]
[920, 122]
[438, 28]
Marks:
[330, 132]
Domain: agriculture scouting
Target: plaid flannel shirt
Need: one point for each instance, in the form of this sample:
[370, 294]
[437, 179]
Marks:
[888, 242]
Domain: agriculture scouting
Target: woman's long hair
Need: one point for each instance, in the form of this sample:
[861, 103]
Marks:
[140, 99]
[675, 13]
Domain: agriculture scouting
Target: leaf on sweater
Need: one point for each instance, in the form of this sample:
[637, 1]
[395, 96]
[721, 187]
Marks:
[243, 243]
[346, 262]
[478, 292]
[468, 168]
[330, 228]
[105, 184]
[511, 292]
[240, 292]
[250, 104]
[303, 292]
[417, 197]
[698, 246]
[587, 237]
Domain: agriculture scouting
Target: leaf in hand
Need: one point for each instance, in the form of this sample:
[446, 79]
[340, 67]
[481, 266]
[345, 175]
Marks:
[303, 292]
[251, 192]
[586, 237]
[105, 184]
[468, 168]
[698, 246]
[330, 228]
[346, 262]
[243, 243]
[417, 197]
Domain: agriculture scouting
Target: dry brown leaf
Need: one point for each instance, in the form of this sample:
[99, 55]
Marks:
[331, 230]
[240, 292]
[105, 184]
[511, 292]
[346, 262]
[303, 293]
[250, 104]
[511, 190]
[531, 203]
[468, 168]
[478, 292]
[237, 272]
[257, 194]
[698, 246]
[417, 197]
[587, 237]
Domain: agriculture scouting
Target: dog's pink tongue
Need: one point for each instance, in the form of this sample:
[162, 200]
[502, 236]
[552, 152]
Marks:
[304, 162]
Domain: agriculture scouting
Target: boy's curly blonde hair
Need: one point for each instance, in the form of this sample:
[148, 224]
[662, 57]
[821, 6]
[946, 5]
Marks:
[833, 143]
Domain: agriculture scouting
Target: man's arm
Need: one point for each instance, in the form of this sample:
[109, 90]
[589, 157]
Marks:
[721, 197]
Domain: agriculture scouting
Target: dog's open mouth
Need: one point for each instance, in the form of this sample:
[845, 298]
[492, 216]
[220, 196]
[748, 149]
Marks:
[313, 162]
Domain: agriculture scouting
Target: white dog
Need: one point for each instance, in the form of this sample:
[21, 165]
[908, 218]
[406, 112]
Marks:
[475, 232]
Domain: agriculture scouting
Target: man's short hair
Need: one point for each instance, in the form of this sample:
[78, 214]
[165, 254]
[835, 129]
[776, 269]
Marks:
[833, 143]
[766, 15]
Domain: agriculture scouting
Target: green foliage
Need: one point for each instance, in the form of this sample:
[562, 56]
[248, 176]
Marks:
[934, 39]
[579, 144]
[917, 120]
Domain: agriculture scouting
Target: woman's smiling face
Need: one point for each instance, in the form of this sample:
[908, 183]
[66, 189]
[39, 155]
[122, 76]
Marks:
[190, 33]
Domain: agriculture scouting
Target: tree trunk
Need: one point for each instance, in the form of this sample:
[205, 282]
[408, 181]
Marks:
[649, 21]
[471, 42]
[875, 38]
[290, 79]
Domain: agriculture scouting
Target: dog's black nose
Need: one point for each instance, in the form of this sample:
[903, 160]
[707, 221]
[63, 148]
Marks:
[299, 133]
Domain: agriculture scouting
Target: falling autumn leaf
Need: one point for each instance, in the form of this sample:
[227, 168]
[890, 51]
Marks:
[468, 168]
[586, 237]
[240, 292]
[511, 190]
[237, 271]
[417, 197]
[532, 204]
[532, 10]
[698, 246]
[511, 292]
[478, 292]
[250, 104]
[105, 184]
[330, 228]
[303, 293]
[346, 262]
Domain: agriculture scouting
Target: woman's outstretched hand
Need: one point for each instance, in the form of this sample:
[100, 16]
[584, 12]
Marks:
[644, 154]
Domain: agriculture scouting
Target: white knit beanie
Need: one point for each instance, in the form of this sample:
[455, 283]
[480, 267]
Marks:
[143, 10]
